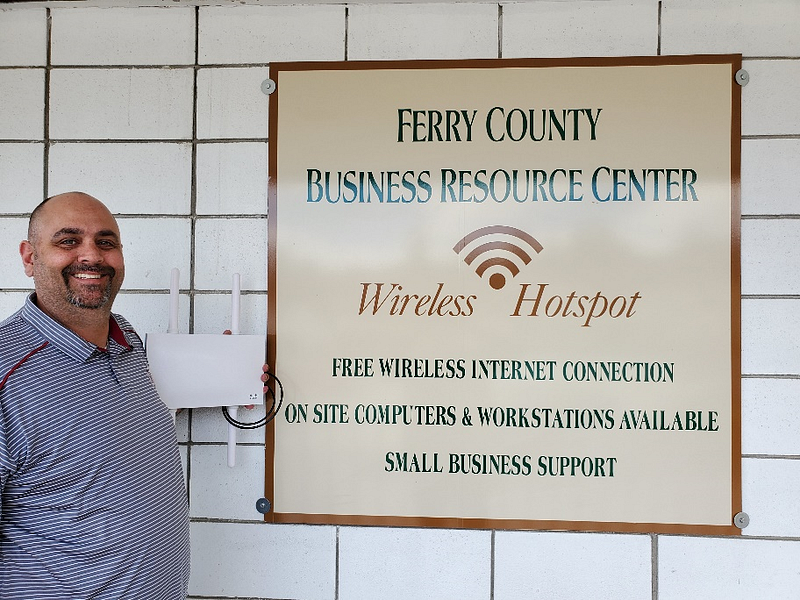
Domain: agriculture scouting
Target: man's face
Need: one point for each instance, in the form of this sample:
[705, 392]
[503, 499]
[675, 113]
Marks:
[74, 255]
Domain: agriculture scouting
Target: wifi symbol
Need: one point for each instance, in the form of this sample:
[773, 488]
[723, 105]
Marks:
[497, 259]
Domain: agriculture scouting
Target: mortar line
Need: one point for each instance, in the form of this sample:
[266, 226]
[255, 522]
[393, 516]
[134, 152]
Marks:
[654, 565]
[658, 43]
[499, 30]
[336, 571]
[492, 550]
[46, 108]
[346, 32]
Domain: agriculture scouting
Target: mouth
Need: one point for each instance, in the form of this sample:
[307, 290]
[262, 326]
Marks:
[88, 273]
[95, 288]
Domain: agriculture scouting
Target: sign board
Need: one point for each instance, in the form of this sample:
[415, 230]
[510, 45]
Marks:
[505, 293]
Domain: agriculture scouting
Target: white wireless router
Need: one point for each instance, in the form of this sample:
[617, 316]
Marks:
[202, 370]
[199, 370]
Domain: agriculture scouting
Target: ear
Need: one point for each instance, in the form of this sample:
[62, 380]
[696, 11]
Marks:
[26, 252]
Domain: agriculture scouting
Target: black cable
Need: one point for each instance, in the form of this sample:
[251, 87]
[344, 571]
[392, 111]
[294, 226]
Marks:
[272, 408]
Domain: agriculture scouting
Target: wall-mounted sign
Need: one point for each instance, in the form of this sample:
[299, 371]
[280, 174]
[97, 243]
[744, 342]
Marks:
[505, 293]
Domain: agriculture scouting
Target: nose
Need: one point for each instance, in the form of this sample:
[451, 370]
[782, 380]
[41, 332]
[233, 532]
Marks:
[90, 254]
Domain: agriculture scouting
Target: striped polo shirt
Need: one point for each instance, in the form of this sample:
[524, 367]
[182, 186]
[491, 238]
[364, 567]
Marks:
[92, 496]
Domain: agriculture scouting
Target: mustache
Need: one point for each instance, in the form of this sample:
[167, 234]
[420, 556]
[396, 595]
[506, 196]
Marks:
[102, 270]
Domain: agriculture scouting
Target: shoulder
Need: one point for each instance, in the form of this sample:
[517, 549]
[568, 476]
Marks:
[10, 322]
[17, 337]
[18, 341]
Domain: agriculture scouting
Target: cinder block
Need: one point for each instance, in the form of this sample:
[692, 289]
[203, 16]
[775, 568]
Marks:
[766, 28]
[583, 28]
[23, 38]
[265, 561]
[230, 103]
[770, 488]
[771, 100]
[13, 230]
[403, 563]
[127, 104]
[770, 345]
[145, 178]
[22, 176]
[766, 190]
[232, 178]
[770, 256]
[149, 313]
[22, 99]
[212, 312]
[218, 491]
[152, 248]
[552, 565]
[770, 416]
[422, 31]
[182, 433]
[227, 246]
[209, 425]
[727, 569]
[123, 36]
[263, 34]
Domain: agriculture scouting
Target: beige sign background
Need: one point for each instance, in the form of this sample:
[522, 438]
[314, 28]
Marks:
[505, 293]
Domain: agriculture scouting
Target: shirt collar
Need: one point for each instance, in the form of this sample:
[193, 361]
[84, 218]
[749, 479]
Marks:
[65, 339]
[116, 334]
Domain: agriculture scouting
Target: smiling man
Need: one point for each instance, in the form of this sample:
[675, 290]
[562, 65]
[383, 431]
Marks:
[74, 254]
[92, 499]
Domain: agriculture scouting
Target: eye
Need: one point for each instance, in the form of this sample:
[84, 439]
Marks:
[67, 242]
[107, 244]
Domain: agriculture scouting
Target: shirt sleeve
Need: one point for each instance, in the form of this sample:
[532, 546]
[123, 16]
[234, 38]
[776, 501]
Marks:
[5, 465]
[8, 460]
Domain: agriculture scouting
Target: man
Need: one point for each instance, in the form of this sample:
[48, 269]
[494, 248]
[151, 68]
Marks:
[92, 496]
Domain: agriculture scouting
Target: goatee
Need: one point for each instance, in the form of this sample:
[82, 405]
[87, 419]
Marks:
[91, 302]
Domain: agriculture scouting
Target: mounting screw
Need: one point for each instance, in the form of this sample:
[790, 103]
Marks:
[263, 505]
[742, 77]
[741, 520]
[268, 86]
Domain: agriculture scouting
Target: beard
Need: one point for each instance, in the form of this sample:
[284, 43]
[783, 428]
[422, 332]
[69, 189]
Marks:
[96, 295]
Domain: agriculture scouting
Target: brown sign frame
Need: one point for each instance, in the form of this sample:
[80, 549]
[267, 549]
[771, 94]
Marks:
[734, 60]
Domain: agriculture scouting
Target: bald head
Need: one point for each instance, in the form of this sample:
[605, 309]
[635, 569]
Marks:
[57, 202]
[74, 254]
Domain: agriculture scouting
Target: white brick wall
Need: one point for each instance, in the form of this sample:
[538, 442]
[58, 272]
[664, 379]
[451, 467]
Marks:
[232, 178]
[723, 569]
[230, 103]
[578, 565]
[117, 36]
[580, 28]
[419, 31]
[396, 564]
[22, 99]
[121, 104]
[252, 34]
[23, 38]
[21, 169]
[156, 178]
[159, 112]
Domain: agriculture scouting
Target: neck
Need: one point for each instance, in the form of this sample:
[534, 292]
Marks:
[91, 324]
